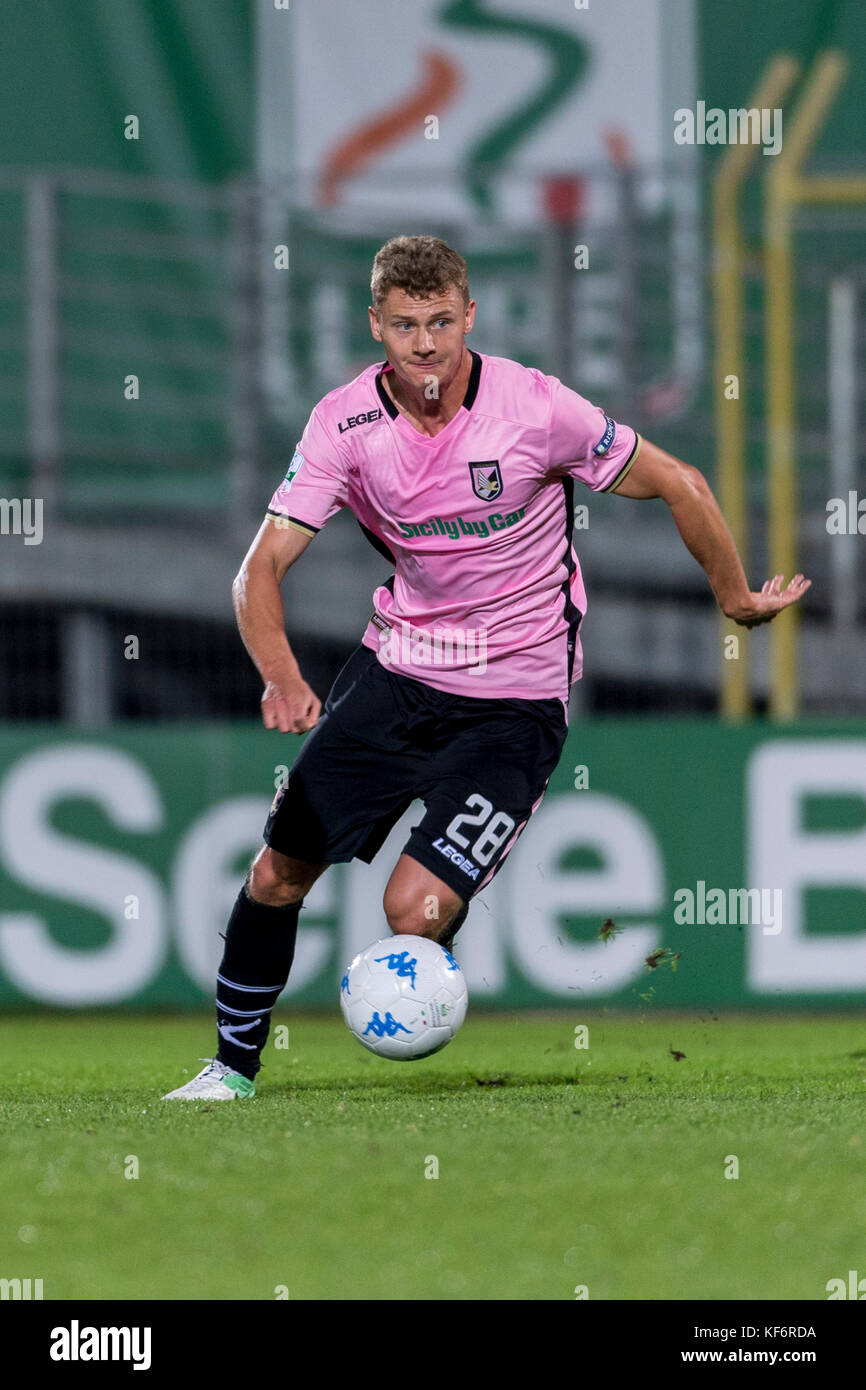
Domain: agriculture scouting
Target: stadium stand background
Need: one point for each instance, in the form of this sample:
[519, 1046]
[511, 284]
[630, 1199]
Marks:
[155, 257]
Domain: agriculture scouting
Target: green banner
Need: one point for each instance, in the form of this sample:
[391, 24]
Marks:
[731, 863]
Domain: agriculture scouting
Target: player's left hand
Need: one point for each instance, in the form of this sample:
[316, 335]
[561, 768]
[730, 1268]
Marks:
[763, 607]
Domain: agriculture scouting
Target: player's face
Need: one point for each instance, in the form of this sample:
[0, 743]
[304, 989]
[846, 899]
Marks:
[423, 337]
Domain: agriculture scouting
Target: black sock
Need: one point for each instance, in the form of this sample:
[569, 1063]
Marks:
[260, 947]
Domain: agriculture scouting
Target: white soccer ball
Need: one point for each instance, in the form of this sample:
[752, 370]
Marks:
[404, 997]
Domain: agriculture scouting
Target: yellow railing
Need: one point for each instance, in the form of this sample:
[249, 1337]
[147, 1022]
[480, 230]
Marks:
[730, 361]
[785, 189]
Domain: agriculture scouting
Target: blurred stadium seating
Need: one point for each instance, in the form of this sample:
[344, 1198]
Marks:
[151, 499]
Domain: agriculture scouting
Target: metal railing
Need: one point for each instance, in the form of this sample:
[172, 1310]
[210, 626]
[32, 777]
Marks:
[159, 356]
[156, 355]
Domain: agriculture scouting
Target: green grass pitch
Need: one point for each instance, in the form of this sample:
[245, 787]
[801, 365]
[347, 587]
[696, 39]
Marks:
[602, 1167]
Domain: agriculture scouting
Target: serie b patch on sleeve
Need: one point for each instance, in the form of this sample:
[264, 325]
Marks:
[297, 460]
[606, 439]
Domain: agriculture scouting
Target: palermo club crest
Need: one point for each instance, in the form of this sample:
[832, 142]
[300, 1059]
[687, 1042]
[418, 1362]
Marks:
[486, 479]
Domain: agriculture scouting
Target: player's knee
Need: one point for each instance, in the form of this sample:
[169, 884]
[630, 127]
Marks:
[408, 914]
[273, 881]
[407, 923]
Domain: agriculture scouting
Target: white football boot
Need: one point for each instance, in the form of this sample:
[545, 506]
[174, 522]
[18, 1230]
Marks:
[216, 1081]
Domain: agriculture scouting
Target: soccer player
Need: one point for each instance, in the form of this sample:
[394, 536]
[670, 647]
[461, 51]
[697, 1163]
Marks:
[460, 469]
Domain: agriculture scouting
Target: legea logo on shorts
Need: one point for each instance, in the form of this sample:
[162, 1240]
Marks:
[463, 648]
[457, 858]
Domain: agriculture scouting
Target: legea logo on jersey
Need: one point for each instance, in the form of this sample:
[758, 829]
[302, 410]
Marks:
[486, 479]
[365, 418]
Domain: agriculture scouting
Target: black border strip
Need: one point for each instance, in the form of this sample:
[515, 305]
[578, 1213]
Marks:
[474, 381]
[626, 469]
[377, 543]
[390, 408]
[571, 612]
[468, 400]
[294, 521]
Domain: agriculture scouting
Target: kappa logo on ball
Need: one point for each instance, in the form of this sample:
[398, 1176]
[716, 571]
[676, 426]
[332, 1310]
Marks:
[486, 479]
[385, 1027]
[403, 998]
[402, 962]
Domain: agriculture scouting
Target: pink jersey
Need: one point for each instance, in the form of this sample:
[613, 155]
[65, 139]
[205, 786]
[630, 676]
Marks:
[487, 595]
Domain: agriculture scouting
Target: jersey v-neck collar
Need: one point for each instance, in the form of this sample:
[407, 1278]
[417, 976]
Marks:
[467, 403]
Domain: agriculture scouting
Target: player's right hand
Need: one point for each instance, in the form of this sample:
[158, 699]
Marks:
[764, 607]
[290, 706]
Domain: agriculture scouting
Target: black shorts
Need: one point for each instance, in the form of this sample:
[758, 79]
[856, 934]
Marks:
[481, 767]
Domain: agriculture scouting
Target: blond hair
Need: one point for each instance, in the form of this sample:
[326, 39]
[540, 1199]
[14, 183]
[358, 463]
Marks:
[423, 266]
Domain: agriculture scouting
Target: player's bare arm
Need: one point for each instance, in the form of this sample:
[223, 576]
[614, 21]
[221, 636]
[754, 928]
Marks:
[288, 703]
[705, 533]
